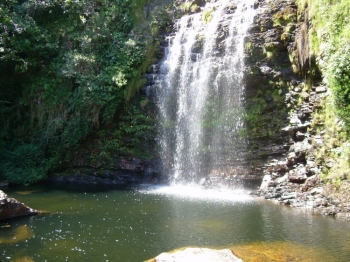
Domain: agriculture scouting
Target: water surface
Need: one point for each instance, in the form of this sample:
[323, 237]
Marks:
[116, 224]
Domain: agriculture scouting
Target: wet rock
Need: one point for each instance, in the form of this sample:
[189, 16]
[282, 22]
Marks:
[199, 2]
[265, 70]
[106, 177]
[281, 167]
[11, 208]
[335, 202]
[126, 171]
[288, 196]
[275, 46]
[312, 168]
[282, 179]
[343, 216]
[316, 191]
[297, 179]
[254, 29]
[272, 195]
[296, 125]
[320, 201]
[299, 204]
[265, 182]
[300, 136]
[332, 211]
[321, 89]
[291, 158]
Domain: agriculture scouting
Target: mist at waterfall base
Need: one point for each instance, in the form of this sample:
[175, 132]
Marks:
[199, 93]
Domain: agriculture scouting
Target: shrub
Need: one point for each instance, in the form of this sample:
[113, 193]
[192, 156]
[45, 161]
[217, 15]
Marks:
[338, 72]
[25, 164]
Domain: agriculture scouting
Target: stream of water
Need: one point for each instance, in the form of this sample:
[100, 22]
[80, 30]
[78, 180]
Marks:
[199, 91]
[136, 224]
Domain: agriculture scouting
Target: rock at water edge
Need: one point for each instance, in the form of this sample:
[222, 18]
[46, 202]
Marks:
[10, 208]
[198, 254]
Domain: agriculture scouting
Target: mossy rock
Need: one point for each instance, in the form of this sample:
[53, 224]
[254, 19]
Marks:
[285, 16]
[274, 47]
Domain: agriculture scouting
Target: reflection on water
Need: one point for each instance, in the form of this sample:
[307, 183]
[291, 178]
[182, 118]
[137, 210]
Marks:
[111, 224]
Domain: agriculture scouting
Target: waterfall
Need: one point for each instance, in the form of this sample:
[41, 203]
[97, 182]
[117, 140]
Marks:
[200, 91]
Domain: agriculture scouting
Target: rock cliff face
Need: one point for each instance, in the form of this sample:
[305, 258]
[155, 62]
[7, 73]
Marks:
[10, 208]
[122, 171]
[269, 76]
[278, 62]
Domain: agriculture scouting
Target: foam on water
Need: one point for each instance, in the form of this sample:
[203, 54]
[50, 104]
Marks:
[194, 192]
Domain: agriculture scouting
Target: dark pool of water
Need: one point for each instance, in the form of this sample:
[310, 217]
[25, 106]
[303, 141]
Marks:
[115, 224]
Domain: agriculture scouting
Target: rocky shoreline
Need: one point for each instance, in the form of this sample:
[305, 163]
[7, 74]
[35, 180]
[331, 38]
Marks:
[295, 179]
[292, 175]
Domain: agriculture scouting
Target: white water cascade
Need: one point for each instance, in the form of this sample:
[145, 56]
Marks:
[200, 91]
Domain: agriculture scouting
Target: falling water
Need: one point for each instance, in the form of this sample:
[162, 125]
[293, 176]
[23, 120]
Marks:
[200, 92]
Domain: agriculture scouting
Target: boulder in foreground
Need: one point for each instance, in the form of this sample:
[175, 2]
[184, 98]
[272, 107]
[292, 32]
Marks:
[198, 254]
[10, 208]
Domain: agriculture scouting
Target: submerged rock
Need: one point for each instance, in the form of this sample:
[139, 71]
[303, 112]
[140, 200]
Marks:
[10, 208]
[198, 254]
[22, 233]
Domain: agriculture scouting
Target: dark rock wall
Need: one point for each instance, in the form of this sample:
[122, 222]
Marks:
[294, 176]
[118, 171]
[269, 76]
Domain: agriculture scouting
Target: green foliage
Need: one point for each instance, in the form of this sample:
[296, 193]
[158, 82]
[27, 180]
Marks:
[207, 15]
[67, 69]
[137, 125]
[131, 135]
[334, 152]
[253, 116]
[256, 109]
[160, 20]
[185, 7]
[329, 37]
[285, 16]
[24, 164]
[74, 132]
[339, 80]
[189, 7]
